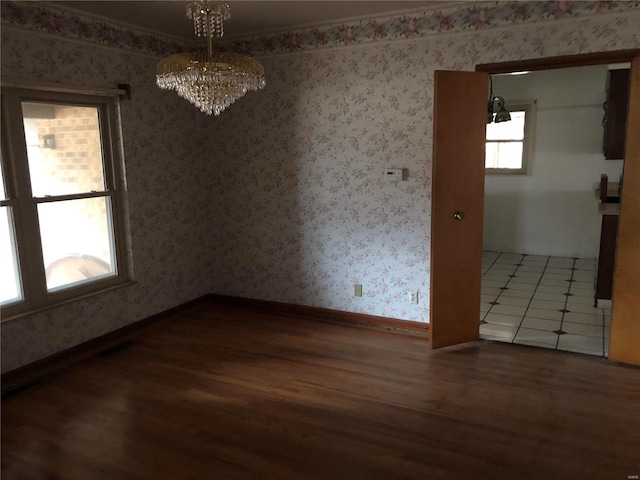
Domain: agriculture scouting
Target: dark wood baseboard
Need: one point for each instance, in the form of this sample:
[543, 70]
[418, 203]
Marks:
[322, 313]
[23, 377]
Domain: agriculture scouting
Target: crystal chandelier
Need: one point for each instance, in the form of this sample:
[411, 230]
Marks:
[211, 81]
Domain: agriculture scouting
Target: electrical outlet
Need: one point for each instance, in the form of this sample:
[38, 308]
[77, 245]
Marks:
[357, 290]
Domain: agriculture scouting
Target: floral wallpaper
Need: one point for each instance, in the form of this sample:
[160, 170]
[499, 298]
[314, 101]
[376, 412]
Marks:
[167, 195]
[431, 21]
[282, 197]
[307, 213]
[449, 19]
[54, 21]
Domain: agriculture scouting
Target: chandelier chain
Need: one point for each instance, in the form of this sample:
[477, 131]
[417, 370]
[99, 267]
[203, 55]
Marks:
[208, 17]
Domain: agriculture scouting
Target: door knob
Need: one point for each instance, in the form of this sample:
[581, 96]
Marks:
[459, 215]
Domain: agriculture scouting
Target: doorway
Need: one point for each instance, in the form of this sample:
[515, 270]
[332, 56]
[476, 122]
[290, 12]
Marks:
[448, 325]
[542, 226]
[625, 330]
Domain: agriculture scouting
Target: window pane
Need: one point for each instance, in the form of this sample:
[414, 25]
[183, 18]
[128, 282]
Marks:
[10, 288]
[77, 244]
[63, 148]
[511, 130]
[491, 155]
[503, 155]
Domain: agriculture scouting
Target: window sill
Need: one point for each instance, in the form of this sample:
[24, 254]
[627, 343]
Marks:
[49, 306]
[505, 171]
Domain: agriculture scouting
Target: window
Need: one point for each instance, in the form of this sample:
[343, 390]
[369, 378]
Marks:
[509, 144]
[61, 229]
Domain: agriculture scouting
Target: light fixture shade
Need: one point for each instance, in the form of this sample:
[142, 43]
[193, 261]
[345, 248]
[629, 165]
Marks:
[210, 83]
[503, 115]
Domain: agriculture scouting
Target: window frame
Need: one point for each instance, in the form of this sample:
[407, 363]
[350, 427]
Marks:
[24, 206]
[530, 109]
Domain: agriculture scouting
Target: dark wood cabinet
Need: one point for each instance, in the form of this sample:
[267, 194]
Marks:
[606, 257]
[615, 119]
[609, 208]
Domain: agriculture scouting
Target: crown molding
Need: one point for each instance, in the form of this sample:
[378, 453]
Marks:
[54, 21]
[457, 18]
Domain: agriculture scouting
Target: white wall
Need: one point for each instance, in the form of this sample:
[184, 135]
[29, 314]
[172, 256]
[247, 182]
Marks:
[553, 210]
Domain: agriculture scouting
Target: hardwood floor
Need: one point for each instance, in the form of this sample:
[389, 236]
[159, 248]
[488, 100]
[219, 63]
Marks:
[219, 392]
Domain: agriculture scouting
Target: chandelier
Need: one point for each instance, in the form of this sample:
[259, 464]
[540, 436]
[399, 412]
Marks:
[209, 80]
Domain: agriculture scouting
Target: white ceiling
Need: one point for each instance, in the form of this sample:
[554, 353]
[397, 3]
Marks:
[247, 17]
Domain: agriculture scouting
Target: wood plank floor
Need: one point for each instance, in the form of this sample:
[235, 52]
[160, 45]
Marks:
[219, 392]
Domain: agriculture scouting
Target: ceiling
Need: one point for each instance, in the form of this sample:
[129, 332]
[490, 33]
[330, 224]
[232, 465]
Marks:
[247, 17]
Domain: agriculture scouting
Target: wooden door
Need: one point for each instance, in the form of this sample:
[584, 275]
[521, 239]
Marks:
[624, 345]
[457, 202]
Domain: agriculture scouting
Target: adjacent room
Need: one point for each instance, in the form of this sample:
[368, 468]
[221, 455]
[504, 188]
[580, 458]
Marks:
[543, 223]
[245, 240]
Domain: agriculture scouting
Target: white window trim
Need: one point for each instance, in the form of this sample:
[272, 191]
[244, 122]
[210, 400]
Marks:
[16, 174]
[530, 107]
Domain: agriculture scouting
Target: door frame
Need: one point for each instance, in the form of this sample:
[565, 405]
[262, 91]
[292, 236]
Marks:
[624, 326]
[565, 61]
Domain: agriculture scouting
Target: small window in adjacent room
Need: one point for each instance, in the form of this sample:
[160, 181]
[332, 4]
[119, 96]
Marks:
[509, 145]
[61, 212]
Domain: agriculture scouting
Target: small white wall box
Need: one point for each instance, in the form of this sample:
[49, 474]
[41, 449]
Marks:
[393, 173]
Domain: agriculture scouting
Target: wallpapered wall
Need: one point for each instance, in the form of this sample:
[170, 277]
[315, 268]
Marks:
[306, 210]
[282, 197]
[168, 190]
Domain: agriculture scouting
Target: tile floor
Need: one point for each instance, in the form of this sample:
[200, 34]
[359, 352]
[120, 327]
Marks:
[542, 301]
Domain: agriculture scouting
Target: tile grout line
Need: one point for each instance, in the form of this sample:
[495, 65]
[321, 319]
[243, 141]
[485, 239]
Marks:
[488, 269]
[481, 276]
[566, 300]
[533, 293]
[582, 350]
[492, 264]
[501, 292]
